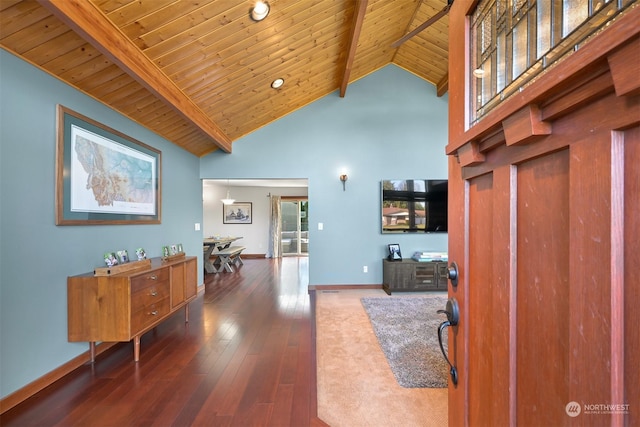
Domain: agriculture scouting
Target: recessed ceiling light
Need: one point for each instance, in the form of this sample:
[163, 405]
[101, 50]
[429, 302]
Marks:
[259, 11]
[277, 83]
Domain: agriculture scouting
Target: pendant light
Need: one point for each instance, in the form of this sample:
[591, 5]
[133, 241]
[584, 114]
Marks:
[227, 200]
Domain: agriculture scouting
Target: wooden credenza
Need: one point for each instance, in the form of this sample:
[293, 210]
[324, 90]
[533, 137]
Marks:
[122, 307]
[409, 275]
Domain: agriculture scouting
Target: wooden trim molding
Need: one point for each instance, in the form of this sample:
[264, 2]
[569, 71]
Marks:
[254, 256]
[321, 288]
[470, 155]
[443, 85]
[617, 238]
[525, 126]
[625, 68]
[49, 378]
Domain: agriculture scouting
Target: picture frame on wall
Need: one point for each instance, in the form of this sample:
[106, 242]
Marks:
[103, 176]
[394, 252]
[237, 213]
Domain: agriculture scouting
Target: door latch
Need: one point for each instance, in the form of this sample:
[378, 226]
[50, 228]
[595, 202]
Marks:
[452, 273]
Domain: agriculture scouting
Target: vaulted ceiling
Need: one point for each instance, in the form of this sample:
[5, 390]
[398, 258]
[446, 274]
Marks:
[199, 73]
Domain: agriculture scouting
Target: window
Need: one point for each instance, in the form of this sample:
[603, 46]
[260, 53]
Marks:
[294, 222]
[512, 41]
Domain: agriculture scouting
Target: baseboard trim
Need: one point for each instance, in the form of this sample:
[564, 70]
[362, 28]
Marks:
[341, 287]
[259, 256]
[49, 378]
[248, 256]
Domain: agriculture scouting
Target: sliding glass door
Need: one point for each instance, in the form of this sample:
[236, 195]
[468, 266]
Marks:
[295, 226]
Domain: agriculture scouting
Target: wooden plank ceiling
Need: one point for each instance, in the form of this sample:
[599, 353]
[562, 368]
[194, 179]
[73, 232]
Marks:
[199, 73]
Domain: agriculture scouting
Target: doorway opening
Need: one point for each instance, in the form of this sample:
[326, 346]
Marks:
[294, 222]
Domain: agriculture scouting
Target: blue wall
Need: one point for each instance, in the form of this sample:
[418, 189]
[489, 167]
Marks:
[36, 256]
[390, 125]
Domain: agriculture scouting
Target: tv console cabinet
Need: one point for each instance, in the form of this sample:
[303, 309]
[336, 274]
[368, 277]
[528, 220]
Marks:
[123, 306]
[409, 275]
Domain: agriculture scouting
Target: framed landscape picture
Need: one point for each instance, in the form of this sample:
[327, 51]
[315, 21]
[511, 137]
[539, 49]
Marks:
[236, 213]
[103, 176]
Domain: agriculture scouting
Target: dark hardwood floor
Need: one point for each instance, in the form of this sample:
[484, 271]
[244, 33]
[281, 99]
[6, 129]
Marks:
[246, 358]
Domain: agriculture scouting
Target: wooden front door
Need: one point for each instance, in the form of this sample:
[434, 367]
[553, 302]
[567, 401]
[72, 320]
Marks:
[544, 224]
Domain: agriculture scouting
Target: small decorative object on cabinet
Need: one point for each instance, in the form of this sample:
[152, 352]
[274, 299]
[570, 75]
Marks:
[394, 252]
[412, 276]
[123, 306]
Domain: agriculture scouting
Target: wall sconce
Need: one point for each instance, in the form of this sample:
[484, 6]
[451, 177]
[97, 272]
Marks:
[259, 11]
[343, 178]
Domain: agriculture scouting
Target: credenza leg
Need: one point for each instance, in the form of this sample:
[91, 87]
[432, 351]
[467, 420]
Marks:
[136, 348]
[92, 351]
[186, 313]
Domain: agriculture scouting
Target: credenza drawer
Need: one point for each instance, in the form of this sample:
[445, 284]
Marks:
[149, 295]
[149, 314]
[153, 277]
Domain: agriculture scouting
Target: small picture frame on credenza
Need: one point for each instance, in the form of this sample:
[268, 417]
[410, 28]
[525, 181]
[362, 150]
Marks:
[394, 252]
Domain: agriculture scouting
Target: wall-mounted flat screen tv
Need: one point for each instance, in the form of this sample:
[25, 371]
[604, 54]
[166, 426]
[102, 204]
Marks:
[414, 205]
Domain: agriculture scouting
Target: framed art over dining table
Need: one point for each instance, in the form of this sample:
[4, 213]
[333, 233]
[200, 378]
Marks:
[237, 213]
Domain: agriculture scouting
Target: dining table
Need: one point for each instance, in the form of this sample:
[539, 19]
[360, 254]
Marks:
[213, 243]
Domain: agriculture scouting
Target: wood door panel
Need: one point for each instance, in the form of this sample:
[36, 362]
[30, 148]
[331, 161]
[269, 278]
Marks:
[458, 335]
[482, 350]
[590, 286]
[542, 301]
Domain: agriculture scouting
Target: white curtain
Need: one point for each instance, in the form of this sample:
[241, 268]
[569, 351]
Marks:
[275, 248]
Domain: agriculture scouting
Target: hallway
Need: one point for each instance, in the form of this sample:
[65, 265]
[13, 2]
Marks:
[247, 357]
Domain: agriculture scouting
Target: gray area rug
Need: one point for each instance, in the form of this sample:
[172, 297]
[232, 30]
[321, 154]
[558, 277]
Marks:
[407, 330]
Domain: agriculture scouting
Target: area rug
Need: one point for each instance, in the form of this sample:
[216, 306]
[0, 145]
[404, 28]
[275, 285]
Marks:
[407, 331]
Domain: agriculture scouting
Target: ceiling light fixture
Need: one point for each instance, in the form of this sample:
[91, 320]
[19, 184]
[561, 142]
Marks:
[227, 200]
[259, 11]
[277, 83]
[479, 73]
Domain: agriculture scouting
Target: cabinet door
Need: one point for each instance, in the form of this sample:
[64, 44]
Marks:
[425, 276]
[178, 281]
[442, 276]
[398, 275]
[191, 278]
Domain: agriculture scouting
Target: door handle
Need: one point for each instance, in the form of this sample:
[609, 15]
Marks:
[453, 316]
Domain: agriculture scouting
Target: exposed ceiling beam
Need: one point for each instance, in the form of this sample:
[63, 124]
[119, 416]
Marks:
[443, 85]
[424, 25]
[358, 18]
[92, 24]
